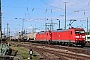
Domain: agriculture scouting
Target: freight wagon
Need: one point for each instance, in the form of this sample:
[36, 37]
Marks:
[87, 38]
[32, 36]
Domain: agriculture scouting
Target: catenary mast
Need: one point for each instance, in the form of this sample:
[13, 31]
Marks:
[0, 23]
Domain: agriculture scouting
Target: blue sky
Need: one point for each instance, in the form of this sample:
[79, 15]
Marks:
[36, 12]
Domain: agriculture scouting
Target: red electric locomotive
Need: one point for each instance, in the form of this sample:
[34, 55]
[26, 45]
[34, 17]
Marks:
[70, 36]
[43, 36]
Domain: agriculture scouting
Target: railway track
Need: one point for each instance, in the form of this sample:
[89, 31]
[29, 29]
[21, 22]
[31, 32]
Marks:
[85, 50]
[64, 53]
[56, 52]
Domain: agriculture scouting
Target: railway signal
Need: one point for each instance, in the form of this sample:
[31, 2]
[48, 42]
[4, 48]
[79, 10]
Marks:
[31, 53]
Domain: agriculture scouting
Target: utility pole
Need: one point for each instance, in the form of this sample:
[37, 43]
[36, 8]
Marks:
[87, 25]
[9, 32]
[87, 22]
[65, 14]
[22, 23]
[59, 24]
[49, 25]
[4, 31]
[26, 31]
[22, 26]
[7, 29]
[0, 23]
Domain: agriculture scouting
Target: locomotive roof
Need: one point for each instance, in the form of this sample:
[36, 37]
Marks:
[68, 29]
[60, 30]
[43, 31]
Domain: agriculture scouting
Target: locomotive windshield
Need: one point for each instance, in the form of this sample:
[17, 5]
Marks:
[79, 32]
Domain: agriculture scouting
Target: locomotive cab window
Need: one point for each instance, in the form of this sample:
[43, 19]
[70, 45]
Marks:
[79, 32]
[82, 32]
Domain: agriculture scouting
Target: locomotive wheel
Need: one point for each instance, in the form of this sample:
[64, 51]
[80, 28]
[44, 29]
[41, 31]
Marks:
[82, 45]
[63, 44]
[66, 43]
[49, 42]
[70, 44]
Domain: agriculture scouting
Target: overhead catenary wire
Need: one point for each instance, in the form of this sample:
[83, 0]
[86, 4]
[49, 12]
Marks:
[38, 8]
[51, 5]
[45, 9]
[77, 3]
[81, 9]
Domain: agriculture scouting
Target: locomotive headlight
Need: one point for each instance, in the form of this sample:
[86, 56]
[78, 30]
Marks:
[77, 36]
[76, 39]
[83, 36]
